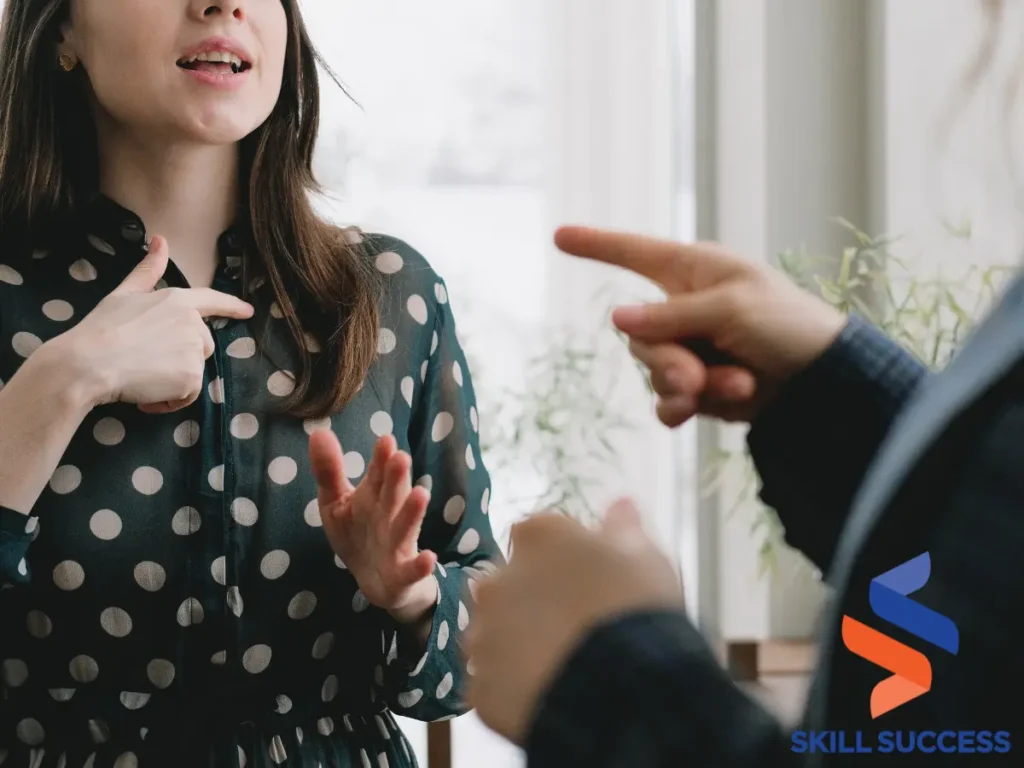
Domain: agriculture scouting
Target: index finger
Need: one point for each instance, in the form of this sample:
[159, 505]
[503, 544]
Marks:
[674, 266]
[211, 303]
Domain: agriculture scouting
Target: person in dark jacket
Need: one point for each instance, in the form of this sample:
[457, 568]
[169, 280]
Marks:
[905, 487]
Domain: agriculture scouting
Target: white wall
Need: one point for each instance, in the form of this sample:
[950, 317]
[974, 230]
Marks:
[613, 143]
[928, 46]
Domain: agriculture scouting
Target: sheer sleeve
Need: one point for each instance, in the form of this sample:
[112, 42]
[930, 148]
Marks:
[17, 532]
[445, 448]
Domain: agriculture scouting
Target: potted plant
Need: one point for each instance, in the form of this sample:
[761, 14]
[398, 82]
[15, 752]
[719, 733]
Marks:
[930, 316]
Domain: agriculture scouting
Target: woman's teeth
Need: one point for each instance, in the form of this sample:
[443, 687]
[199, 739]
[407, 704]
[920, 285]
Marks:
[214, 61]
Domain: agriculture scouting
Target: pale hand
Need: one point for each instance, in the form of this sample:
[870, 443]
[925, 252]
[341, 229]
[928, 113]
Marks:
[145, 346]
[562, 580]
[374, 527]
[769, 326]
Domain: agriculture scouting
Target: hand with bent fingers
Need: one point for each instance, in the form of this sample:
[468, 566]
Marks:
[768, 327]
[562, 581]
[374, 527]
[145, 346]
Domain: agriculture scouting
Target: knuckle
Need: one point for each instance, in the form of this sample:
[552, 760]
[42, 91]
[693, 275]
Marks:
[736, 297]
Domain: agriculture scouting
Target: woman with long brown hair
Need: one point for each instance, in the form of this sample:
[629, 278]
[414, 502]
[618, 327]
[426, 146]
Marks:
[195, 572]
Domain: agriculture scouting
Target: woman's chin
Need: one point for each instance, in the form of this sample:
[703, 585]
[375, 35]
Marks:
[219, 127]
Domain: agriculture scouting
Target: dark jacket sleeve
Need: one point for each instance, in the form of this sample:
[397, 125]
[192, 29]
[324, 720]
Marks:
[645, 690]
[812, 446]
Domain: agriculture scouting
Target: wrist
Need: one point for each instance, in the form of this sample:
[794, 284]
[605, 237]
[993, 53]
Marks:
[420, 603]
[80, 387]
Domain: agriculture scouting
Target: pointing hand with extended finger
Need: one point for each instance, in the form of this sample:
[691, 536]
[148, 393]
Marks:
[761, 327]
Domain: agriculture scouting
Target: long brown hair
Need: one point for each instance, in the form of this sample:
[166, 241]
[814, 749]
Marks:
[323, 284]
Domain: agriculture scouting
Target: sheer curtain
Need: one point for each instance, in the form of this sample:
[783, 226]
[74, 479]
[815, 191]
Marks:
[473, 128]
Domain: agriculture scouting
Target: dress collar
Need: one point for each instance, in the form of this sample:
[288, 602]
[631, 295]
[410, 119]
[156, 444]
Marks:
[111, 228]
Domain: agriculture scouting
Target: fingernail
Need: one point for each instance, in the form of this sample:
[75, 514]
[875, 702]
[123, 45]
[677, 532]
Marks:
[628, 315]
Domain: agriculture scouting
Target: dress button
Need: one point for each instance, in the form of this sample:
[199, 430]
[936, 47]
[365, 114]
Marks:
[132, 232]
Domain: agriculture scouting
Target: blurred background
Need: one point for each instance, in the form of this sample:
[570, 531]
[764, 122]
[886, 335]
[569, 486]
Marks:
[841, 140]
[471, 128]
[838, 139]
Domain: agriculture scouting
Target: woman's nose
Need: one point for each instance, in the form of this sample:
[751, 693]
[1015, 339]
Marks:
[234, 8]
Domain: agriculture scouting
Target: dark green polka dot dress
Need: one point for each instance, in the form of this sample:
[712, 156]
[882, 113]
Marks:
[172, 599]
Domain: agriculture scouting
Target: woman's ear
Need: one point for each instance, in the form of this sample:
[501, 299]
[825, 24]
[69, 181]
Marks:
[66, 54]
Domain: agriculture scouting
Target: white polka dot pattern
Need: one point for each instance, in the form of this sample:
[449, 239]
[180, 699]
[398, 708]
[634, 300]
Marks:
[274, 564]
[101, 245]
[381, 423]
[147, 480]
[244, 511]
[256, 659]
[175, 517]
[453, 510]
[186, 521]
[389, 262]
[58, 310]
[24, 343]
[216, 390]
[386, 343]
[311, 514]
[443, 425]
[215, 477]
[355, 465]
[83, 271]
[242, 348]
[161, 673]
[282, 470]
[417, 308]
[150, 576]
[10, 275]
[244, 426]
[234, 600]
[281, 383]
[116, 622]
[65, 479]
[105, 525]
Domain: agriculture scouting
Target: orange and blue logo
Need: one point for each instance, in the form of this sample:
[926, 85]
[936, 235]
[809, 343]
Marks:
[889, 597]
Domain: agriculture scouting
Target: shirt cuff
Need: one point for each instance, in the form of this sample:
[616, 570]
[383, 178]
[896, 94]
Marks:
[405, 648]
[813, 444]
[638, 690]
[17, 532]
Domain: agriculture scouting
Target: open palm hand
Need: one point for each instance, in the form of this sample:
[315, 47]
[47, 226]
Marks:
[374, 527]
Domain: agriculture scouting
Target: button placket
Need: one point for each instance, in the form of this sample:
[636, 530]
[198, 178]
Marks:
[209, 581]
[225, 525]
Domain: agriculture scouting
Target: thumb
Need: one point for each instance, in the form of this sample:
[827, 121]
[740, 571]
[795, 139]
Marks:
[148, 271]
[328, 464]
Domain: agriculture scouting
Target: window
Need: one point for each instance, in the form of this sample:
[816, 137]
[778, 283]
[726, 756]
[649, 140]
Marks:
[445, 149]
[476, 127]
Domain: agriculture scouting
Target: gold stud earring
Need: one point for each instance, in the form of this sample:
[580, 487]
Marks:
[67, 62]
